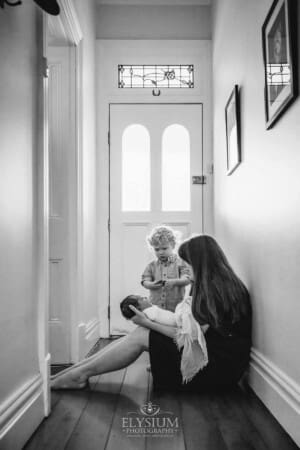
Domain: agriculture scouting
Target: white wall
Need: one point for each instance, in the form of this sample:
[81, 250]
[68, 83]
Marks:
[88, 314]
[256, 208]
[153, 22]
[20, 79]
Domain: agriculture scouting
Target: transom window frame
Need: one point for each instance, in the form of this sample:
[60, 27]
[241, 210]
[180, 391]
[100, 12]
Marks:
[145, 76]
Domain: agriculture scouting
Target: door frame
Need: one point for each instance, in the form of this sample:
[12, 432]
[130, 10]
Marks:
[66, 24]
[109, 177]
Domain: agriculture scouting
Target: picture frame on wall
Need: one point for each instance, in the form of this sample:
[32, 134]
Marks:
[233, 132]
[279, 40]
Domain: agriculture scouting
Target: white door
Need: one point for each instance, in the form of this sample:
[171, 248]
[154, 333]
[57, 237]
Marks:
[155, 150]
[59, 194]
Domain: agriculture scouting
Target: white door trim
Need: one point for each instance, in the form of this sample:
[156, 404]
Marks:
[68, 22]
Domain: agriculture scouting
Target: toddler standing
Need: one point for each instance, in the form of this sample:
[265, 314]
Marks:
[167, 276]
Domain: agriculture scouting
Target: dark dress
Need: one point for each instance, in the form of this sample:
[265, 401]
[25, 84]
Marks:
[228, 349]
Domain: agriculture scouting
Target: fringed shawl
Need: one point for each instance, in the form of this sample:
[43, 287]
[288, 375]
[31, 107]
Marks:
[190, 337]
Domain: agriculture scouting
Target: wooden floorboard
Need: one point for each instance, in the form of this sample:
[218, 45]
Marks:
[271, 432]
[232, 401]
[133, 394]
[93, 419]
[229, 424]
[169, 407]
[55, 431]
[93, 428]
[200, 427]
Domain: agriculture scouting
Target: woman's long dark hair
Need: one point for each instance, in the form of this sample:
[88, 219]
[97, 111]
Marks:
[219, 296]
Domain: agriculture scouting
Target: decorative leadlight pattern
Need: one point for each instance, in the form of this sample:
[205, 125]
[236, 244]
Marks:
[156, 76]
[278, 74]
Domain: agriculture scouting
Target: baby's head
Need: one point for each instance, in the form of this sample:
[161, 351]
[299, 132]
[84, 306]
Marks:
[137, 301]
[163, 240]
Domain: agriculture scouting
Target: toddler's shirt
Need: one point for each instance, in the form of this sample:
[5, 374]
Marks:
[167, 297]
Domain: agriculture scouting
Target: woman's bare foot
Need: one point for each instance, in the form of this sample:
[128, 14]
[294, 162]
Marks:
[69, 380]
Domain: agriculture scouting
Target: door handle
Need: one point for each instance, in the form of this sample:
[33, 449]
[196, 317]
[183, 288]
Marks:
[199, 179]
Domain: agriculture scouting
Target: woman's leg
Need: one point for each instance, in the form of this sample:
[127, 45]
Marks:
[87, 360]
[113, 357]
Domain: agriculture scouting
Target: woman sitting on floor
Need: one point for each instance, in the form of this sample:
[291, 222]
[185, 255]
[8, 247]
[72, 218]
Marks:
[220, 305]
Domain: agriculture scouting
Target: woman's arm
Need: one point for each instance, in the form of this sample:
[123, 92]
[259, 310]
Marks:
[143, 321]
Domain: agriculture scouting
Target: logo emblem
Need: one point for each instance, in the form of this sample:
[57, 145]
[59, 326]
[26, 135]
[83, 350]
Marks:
[149, 409]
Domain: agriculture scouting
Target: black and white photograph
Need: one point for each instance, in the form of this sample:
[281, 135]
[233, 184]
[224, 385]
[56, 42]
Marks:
[233, 139]
[149, 225]
[280, 59]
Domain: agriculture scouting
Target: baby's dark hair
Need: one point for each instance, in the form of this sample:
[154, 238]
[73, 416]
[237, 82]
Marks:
[124, 305]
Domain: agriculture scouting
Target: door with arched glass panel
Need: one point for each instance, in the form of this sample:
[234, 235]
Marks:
[155, 150]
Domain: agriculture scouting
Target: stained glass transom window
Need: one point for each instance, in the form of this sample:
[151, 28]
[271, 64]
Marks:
[156, 76]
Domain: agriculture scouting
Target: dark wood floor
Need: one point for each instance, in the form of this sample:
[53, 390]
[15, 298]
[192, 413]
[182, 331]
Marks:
[98, 418]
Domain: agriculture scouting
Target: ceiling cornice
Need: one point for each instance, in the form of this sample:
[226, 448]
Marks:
[155, 2]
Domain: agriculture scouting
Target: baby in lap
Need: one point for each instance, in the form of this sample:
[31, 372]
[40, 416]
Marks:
[189, 335]
[153, 312]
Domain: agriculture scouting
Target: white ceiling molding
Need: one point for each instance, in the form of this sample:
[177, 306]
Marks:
[57, 34]
[155, 2]
[66, 26]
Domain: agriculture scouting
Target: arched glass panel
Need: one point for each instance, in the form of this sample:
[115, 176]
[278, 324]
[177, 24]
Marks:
[176, 193]
[136, 169]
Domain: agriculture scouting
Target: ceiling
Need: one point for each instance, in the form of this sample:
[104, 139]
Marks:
[155, 2]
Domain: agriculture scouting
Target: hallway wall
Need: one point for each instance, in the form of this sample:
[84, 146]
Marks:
[88, 313]
[153, 22]
[20, 78]
[257, 221]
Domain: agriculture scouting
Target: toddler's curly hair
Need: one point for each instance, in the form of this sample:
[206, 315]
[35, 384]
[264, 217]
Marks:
[162, 234]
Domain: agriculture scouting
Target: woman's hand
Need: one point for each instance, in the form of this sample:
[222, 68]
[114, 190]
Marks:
[140, 318]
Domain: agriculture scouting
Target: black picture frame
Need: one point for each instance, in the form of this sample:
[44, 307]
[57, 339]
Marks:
[233, 131]
[279, 41]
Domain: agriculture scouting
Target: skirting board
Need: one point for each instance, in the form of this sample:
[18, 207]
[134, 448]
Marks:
[277, 391]
[21, 414]
[89, 333]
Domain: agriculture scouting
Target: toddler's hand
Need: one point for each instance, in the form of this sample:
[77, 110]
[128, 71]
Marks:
[157, 284]
[152, 284]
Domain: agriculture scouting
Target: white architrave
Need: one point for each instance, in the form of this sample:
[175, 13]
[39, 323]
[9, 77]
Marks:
[65, 26]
